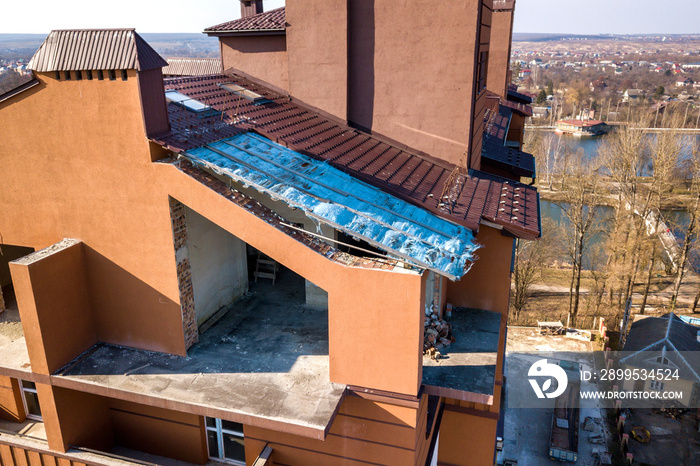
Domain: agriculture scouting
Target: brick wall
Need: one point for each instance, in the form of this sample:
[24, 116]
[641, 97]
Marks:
[184, 277]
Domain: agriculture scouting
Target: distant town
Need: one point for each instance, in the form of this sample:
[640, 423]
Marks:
[602, 77]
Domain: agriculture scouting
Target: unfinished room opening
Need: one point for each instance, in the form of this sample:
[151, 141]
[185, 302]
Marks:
[8, 303]
[245, 298]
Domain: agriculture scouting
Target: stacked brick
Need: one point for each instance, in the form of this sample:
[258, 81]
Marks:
[184, 273]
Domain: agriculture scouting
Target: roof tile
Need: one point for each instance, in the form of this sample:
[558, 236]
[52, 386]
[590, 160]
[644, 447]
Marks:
[95, 49]
[400, 172]
[273, 20]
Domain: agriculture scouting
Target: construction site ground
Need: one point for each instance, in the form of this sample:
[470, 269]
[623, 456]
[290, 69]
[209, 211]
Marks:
[673, 441]
[527, 430]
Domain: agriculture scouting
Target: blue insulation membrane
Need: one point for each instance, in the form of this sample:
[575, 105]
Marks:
[331, 196]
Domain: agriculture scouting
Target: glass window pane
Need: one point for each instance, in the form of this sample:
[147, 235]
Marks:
[32, 403]
[213, 444]
[233, 447]
[211, 422]
[233, 426]
[27, 384]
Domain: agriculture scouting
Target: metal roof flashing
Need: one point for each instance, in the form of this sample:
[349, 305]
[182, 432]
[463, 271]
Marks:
[335, 198]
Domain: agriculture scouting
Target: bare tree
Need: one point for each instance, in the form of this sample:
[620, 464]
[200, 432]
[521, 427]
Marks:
[692, 207]
[531, 257]
[579, 205]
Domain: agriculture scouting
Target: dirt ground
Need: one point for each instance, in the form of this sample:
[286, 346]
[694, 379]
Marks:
[550, 299]
[10, 324]
[673, 441]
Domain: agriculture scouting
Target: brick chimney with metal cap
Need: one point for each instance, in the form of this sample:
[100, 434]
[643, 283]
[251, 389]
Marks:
[251, 7]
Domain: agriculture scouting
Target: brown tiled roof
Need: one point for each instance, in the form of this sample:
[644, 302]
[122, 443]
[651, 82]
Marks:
[192, 66]
[399, 171]
[95, 49]
[510, 158]
[273, 20]
[524, 110]
[19, 89]
[493, 148]
[515, 96]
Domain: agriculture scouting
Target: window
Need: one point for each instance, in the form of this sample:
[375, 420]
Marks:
[656, 385]
[58, 75]
[225, 440]
[124, 75]
[100, 75]
[31, 400]
[66, 74]
[89, 75]
[78, 75]
[112, 75]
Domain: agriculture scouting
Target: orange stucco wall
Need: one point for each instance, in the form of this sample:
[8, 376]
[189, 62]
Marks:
[318, 54]
[499, 51]
[76, 165]
[158, 431]
[487, 285]
[466, 440]
[382, 65]
[411, 80]
[75, 418]
[109, 193]
[56, 314]
[264, 57]
[11, 407]
[363, 431]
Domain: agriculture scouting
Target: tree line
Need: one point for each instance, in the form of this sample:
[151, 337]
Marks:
[618, 198]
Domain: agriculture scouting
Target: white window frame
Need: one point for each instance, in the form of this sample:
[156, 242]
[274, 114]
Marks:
[656, 385]
[220, 431]
[24, 389]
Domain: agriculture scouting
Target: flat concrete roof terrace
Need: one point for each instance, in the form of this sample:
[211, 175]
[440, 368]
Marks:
[14, 357]
[467, 369]
[265, 363]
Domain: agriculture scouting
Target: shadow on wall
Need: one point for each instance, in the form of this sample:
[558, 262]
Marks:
[128, 311]
[361, 49]
[258, 44]
[269, 330]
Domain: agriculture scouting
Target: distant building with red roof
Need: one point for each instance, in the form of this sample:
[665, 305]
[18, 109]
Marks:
[582, 127]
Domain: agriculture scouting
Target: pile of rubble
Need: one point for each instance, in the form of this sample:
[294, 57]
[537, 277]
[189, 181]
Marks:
[437, 333]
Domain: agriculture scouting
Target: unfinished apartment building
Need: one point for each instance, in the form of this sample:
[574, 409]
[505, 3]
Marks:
[246, 267]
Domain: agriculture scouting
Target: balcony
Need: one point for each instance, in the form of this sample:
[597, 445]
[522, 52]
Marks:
[467, 368]
[264, 363]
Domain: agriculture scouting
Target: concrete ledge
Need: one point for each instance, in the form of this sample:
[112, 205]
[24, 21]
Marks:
[467, 369]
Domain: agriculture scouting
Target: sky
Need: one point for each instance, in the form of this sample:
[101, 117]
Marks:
[608, 16]
[544, 16]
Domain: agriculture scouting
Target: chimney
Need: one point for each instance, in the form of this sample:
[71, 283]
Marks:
[251, 7]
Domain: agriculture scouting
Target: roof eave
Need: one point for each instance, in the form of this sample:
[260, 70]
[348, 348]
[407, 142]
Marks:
[247, 32]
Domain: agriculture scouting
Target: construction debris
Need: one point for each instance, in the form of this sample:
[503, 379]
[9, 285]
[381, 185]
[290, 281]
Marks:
[673, 413]
[640, 434]
[437, 334]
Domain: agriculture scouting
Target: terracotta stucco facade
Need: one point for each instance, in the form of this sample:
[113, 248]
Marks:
[80, 162]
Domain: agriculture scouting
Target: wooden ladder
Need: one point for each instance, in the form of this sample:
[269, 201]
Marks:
[266, 267]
